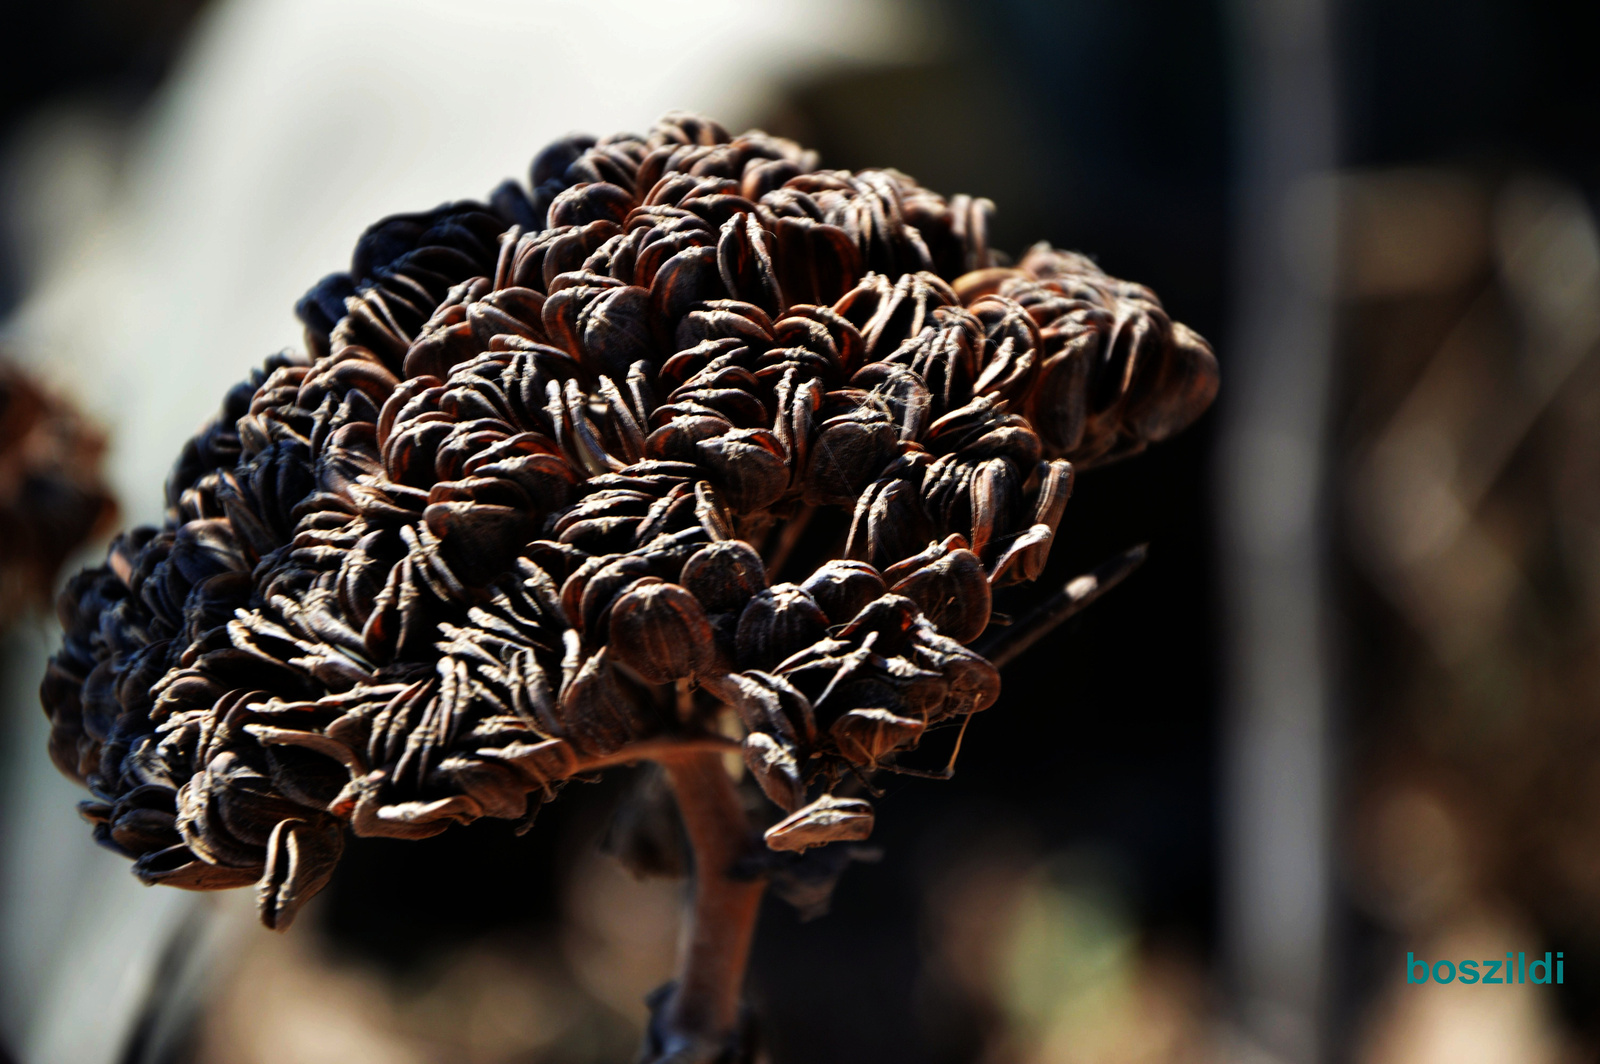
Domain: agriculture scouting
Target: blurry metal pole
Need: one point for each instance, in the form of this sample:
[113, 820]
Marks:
[1274, 531]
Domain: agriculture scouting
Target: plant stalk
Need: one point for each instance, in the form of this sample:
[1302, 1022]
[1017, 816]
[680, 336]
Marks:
[699, 1021]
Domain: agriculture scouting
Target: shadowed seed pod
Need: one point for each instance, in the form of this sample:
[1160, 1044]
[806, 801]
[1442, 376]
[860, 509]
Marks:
[52, 499]
[523, 507]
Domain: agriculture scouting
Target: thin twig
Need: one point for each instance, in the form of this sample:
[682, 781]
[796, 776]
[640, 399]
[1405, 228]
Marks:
[1007, 645]
[950, 767]
[662, 750]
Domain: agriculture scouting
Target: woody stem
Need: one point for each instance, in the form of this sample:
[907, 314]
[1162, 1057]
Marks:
[703, 1011]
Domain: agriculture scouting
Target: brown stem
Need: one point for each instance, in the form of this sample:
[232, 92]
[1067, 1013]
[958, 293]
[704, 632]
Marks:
[661, 750]
[701, 1017]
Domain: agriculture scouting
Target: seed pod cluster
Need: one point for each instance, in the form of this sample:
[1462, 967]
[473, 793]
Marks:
[513, 513]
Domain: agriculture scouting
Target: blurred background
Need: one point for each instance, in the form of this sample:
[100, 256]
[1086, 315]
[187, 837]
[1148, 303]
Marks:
[1347, 711]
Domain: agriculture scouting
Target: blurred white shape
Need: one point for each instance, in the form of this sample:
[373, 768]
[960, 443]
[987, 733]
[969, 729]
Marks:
[1415, 863]
[619, 932]
[58, 178]
[74, 920]
[289, 127]
[286, 1003]
[1308, 231]
[1050, 948]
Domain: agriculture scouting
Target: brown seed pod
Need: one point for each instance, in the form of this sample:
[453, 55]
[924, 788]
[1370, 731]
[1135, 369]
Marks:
[948, 582]
[660, 632]
[841, 588]
[776, 623]
[828, 819]
[775, 769]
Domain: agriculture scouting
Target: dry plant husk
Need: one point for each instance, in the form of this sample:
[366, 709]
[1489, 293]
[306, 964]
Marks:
[517, 513]
[52, 498]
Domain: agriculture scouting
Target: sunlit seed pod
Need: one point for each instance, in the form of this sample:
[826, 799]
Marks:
[997, 506]
[479, 540]
[775, 770]
[826, 820]
[889, 524]
[847, 453]
[724, 576]
[678, 283]
[744, 262]
[1024, 556]
[1011, 350]
[890, 311]
[824, 332]
[600, 711]
[725, 319]
[867, 736]
[590, 202]
[747, 465]
[949, 584]
[300, 860]
[1184, 388]
[768, 704]
[601, 589]
[498, 790]
[816, 262]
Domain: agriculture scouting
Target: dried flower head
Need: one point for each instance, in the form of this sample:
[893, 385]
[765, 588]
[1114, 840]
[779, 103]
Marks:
[52, 500]
[525, 509]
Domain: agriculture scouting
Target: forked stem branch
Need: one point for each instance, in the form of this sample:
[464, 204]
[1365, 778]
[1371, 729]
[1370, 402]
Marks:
[698, 1022]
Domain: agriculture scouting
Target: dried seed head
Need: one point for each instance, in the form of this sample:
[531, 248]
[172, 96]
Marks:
[521, 506]
[948, 583]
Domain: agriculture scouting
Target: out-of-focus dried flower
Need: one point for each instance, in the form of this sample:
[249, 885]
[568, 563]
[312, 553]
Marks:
[52, 499]
[521, 511]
